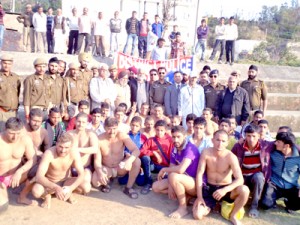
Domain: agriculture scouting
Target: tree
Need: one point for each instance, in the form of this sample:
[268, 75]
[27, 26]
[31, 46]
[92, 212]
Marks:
[167, 6]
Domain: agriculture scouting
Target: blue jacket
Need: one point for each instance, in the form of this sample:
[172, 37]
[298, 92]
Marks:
[157, 28]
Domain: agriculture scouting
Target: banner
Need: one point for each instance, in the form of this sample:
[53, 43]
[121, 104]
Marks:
[185, 64]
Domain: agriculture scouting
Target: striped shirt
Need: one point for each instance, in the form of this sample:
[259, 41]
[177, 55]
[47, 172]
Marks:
[133, 25]
[251, 163]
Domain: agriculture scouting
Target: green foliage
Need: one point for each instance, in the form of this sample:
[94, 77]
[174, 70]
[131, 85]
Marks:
[55, 4]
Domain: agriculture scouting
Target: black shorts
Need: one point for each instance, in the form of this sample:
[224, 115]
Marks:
[207, 193]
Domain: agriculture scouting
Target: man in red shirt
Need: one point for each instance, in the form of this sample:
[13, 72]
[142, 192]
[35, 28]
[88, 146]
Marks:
[143, 32]
[156, 152]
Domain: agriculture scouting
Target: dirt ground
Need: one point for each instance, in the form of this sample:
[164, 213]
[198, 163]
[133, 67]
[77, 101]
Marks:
[116, 208]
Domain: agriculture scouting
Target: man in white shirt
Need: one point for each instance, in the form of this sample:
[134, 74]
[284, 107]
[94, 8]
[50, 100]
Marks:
[102, 88]
[85, 29]
[115, 30]
[73, 35]
[191, 99]
[220, 32]
[231, 36]
[100, 29]
[160, 52]
[39, 21]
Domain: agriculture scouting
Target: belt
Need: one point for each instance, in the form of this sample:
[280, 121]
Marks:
[4, 110]
[28, 26]
[74, 103]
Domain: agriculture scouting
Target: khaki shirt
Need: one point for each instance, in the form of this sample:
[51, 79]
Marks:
[211, 95]
[87, 75]
[74, 89]
[37, 91]
[157, 93]
[257, 91]
[56, 87]
[10, 87]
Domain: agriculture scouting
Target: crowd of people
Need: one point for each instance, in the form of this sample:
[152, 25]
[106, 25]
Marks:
[84, 127]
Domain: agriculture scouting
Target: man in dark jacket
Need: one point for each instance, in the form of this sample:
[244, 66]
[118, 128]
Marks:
[233, 100]
[132, 29]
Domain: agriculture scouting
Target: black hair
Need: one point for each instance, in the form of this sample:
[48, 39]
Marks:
[286, 138]
[190, 116]
[200, 121]
[160, 123]
[251, 128]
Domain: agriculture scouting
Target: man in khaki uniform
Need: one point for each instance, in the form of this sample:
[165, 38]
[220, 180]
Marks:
[56, 84]
[257, 90]
[73, 88]
[10, 85]
[37, 89]
[85, 72]
[158, 89]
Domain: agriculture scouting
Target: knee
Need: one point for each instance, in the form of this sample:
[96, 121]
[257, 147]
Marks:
[37, 190]
[243, 190]
[156, 187]
[145, 159]
[258, 178]
[86, 187]
[173, 177]
[136, 163]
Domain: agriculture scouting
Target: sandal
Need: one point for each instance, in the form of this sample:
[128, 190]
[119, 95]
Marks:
[105, 188]
[146, 189]
[130, 192]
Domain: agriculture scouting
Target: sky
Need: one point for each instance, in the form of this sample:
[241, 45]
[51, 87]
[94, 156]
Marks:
[247, 9]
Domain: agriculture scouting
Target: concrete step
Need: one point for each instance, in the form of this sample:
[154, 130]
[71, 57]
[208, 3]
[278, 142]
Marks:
[284, 101]
[277, 118]
[283, 86]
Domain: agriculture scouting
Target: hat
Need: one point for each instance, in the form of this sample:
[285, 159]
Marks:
[123, 73]
[7, 57]
[235, 72]
[253, 67]
[54, 59]
[193, 74]
[74, 65]
[84, 57]
[133, 70]
[113, 67]
[214, 72]
[94, 66]
[39, 61]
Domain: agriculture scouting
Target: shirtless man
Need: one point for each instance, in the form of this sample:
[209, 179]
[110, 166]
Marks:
[53, 175]
[148, 129]
[158, 114]
[211, 126]
[219, 164]
[110, 162]
[87, 143]
[14, 147]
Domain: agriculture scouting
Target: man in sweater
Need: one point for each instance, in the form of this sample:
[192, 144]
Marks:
[132, 29]
[143, 32]
[115, 29]
[202, 32]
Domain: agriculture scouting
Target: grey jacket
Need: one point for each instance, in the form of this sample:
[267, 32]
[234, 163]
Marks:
[171, 100]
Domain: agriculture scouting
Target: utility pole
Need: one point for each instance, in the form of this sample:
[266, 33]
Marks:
[197, 12]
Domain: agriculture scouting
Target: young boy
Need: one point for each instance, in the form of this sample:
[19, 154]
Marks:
[190, 123]
[211, 126]
[264, 131]
[148, 129]
[156, 151]
[144, 112]
[119, 115]
[225, 125]
[97, 123]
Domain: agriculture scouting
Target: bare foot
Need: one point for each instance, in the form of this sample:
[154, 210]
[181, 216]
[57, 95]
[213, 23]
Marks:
[179, 213]
[47, 202]
[72, 200]
[26, 201]
[235, 221]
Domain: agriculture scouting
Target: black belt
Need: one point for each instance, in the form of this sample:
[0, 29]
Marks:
[74, 103]
[28, 26]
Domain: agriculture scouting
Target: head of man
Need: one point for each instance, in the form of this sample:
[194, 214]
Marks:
[178, 37]
[185, 78]
[28, 8]
[231, 20]
[133, 72]
[213, 77]
[252, 135]
[207, 69]
[135, 124]
[175, 28]
[263, 128]
[119, 114]
[222, 20]
[96, 116]
[54, 116]
[100, 15]
[158, 111]
[284, 129]
[149, 123]
[258, 115]
[178, 137]
[74, 69]
[62, 67]
[84, 59]
[162, 73]
[233, 123]
[40, 65]
[6, 63]
[190, 122]
[203, 77]
[153, 75]
[203, 22]
[103, 70]
[193, 79]
[64, 145]
[13, 130]
[123, 106]
[160, 128]
[85, 11]
[199, 127]
[74, 11]
[84, 106]
[113, 72]
[35, 119]
[40, 9]
[207, 114]
[105, 109]
[111, 126]
[156, 18]
[220, 140]
[175, 120]
[59, 12]
[252, 72]
[236, 73]
[224, 124]
[285, 141]
[50, 11]
[161, 42]
[81, 121]
[133, 14]
[144, 109]
[177, 77]
[123, 77]
[232, 83]
[53, 65]
[116, 14]
[145, 16]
